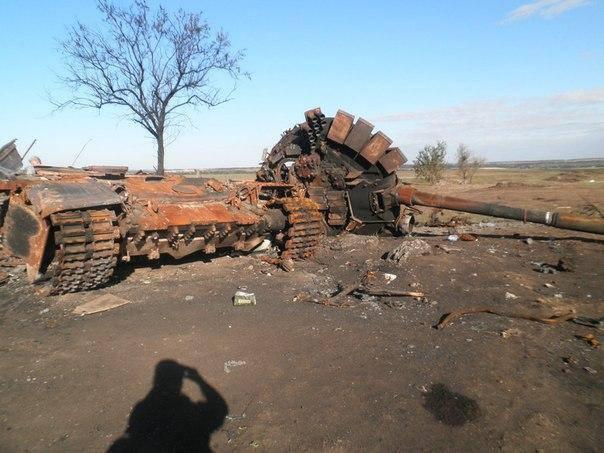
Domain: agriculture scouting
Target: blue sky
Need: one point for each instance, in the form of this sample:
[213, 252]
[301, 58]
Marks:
[512, 79]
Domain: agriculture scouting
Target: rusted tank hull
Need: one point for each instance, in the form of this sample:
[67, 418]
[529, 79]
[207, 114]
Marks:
[73, 227]
[26, 236]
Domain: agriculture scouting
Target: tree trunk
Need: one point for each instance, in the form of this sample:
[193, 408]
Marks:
[160, 153]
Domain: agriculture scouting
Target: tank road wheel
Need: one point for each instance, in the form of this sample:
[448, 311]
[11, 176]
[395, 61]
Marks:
[305, 228]
[86, 249]
[342, 164]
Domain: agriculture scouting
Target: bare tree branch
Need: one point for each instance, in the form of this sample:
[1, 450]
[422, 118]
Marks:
[154, 64]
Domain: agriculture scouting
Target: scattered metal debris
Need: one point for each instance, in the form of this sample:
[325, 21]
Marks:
[324, 171]
[242, 298]
[369, 285]
[287, 264]
[590, 339]
[389, 278]
[454, 221]
[589, 322]
[544, 268]
[552, 320]
[446, 249]
[101, 303]
[230, 364]
[511, 332]
[565, 264]
[10, 160]
[390, 293]
[407, 249]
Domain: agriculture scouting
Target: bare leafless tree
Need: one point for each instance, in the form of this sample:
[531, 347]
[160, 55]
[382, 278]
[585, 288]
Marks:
[154, 64]
[467, 163]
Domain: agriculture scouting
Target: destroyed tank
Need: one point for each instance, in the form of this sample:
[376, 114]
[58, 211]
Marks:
[73, 226]
[350, 173]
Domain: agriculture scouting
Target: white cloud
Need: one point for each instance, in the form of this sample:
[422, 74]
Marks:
[562, 125]
[543, 8]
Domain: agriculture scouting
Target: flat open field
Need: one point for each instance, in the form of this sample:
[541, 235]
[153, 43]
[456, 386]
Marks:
[293, 374]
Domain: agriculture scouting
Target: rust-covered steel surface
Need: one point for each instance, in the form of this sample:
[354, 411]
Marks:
[350, 172]
[73, 226]
[10, 160]
[409, 196]
[26, 235]
[165, 215]
[49, 197]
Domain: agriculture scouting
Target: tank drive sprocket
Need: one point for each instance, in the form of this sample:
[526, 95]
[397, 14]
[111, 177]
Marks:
[340, 164]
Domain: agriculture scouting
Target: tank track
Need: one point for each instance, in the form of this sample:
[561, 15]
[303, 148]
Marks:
[305, 228]
[340, 164]
[86, 249]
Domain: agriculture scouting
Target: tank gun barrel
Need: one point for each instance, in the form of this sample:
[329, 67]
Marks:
[410, 196]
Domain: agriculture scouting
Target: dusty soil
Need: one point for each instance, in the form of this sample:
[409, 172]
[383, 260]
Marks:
[298, 375]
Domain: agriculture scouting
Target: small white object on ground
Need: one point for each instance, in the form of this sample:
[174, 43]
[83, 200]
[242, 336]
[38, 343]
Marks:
[243, 298]
[512, 332]
[189, 297]
[232, 364]
[509, 296]
[263, 246]
[389, 278]
[102, 303]
[452, 238]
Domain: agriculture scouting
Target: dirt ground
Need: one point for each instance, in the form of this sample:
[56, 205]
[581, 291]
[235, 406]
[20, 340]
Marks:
[291, 374]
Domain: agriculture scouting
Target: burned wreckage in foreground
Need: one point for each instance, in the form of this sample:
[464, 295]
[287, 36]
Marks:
[73, 226]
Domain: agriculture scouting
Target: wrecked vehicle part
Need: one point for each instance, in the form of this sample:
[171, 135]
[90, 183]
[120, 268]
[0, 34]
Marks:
[342, 166]
[554, 319]
[10, 160]
[73, 227]
[350, 172]
[409, 196]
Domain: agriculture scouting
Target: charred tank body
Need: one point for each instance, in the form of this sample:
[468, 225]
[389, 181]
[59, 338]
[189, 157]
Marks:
[72, 227]
[350, 172]
[343, 166]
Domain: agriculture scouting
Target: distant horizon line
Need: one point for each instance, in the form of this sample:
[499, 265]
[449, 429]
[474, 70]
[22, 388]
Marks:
[599, 160]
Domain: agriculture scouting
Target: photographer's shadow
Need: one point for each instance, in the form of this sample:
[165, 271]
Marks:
[167, 420]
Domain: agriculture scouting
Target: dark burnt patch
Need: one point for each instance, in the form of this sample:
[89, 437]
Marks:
[450, 408]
